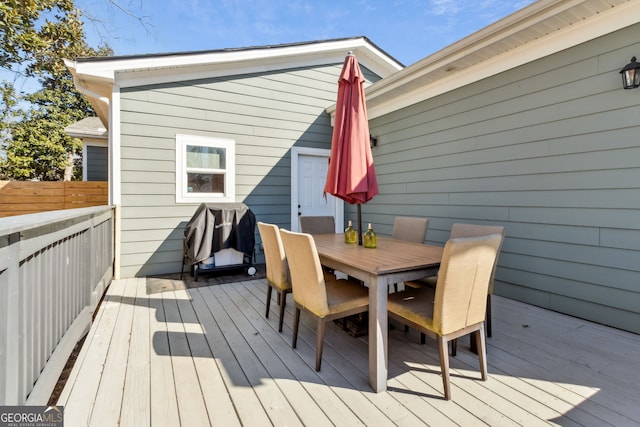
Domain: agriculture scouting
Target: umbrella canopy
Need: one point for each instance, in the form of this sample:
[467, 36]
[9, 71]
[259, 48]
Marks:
[351, 175]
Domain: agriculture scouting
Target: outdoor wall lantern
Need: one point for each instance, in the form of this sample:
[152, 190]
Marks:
[631, 74]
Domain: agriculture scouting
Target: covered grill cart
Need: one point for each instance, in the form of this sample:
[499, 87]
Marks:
[220, 237]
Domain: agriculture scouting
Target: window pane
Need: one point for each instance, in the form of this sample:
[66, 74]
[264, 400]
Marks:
[205, 183]
[206, 157]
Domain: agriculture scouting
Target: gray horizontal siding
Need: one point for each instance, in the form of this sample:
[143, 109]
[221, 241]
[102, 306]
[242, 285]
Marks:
[265, 113]
[550, 151]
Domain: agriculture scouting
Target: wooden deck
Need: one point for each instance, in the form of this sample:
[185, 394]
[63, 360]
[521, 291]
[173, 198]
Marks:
[207, 356]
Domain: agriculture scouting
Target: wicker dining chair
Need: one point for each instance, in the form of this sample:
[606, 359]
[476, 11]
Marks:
[457, 305]
[317, 224]
[469, 230]
[410, 229]
[277, 269]
[323, 297]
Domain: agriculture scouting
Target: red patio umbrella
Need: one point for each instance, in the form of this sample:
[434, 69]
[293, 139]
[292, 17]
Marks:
[351, 175]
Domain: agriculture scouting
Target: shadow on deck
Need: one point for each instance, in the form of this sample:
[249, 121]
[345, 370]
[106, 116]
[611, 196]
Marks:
[164, 352]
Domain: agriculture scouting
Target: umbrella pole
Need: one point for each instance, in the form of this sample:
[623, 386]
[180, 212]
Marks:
[359, 216]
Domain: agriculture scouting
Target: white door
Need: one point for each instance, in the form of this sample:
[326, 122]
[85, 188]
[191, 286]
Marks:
[309, 173]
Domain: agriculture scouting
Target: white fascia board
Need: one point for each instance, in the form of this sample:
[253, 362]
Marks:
[137, 71]
[402, 90]
[132, 78]
[97, 72]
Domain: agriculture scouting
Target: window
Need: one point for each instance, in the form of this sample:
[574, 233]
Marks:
[205, 169]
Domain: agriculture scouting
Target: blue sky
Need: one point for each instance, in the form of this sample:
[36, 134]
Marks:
[408, 30]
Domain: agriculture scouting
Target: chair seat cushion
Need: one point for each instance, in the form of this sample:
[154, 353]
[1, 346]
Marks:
[282, 287]
[429, 282]
[415, 305]
[344, 295]
[286, 286]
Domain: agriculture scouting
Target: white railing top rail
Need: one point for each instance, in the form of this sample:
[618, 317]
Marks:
[19, 223]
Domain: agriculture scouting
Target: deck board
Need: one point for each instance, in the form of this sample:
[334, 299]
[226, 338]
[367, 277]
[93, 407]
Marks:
[214, 392]
[208, 356]
[115, 364]
[326, 399]
[298, 396]
[80, 398]
[164, 405]
[248, 406]
[137, 382]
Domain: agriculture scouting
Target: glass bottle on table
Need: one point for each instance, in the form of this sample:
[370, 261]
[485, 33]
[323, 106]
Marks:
[370, 240]
[350, 234]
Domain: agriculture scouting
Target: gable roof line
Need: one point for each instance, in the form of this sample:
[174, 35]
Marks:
[538, 30]
[233, 49]
[98, 78]
[108, 69]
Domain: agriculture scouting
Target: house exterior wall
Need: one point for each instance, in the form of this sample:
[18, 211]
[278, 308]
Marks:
[551, 151]
[265, 113]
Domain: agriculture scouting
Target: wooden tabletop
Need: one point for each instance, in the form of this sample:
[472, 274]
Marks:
[390, 256]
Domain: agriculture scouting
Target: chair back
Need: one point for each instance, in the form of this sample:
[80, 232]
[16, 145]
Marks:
[476, 230]
[275, 259]
[410, 229]
[463, 282]
[317, 224]
[307, 279]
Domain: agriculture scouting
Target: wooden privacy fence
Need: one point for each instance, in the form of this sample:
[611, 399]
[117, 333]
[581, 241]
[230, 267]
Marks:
[24, 197]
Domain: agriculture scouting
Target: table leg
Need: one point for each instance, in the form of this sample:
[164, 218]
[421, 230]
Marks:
[378, 334]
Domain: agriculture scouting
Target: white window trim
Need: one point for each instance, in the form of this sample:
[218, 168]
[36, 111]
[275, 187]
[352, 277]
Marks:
[182, 196]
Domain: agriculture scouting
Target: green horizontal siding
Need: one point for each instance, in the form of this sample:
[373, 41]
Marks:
[265, 113]
[551, 151]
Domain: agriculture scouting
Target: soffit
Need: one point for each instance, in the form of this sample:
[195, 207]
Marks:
[541, 29]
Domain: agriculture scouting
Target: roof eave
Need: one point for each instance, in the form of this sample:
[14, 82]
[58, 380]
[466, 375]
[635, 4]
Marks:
[95, 77]
[145, 69]
[474, 57]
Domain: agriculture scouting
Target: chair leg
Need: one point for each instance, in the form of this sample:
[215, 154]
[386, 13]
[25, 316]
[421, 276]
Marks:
[482, 353]
[296, 321]
[454, 347]
[395, 287]
[406, 328]
[269, 289]
[488, 315]
[487, 326]
[423, 338]
[283, 303]
[443, 349]
[319, 343]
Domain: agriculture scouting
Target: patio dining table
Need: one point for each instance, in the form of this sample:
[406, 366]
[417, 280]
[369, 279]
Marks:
[392, 261]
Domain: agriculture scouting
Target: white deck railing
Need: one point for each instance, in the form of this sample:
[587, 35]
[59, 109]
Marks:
[54, 267]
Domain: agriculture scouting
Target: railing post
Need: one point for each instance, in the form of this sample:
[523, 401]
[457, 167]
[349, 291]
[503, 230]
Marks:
[90, 276]
[12, 338]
